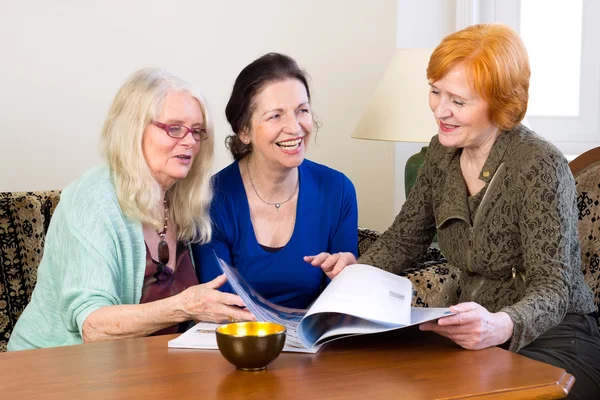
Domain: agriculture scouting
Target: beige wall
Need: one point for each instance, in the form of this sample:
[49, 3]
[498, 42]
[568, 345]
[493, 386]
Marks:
[63, 60]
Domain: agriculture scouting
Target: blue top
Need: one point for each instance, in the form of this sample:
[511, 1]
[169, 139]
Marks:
[326, 220]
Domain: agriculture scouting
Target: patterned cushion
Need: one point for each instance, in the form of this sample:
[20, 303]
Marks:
[435, 282]
[588, 202]
[24, 219]
[366, 237]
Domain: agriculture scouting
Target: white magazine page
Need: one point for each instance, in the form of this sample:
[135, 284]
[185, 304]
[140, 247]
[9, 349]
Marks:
[369, 293]
[362, 300]
[359, 326]
[203, 336]
[424, 314]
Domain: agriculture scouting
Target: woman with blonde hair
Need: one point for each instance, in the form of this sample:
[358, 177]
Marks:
[117, 262]
[503, 202]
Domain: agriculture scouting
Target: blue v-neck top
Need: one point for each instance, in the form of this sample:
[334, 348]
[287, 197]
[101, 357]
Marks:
[326, 220]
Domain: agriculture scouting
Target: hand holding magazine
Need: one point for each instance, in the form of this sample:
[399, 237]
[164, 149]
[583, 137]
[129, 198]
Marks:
[361, 300]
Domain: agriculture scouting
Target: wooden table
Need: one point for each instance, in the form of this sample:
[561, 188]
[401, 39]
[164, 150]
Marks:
[405, 364]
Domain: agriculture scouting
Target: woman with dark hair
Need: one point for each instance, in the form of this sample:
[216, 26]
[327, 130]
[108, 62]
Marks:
[272, 207]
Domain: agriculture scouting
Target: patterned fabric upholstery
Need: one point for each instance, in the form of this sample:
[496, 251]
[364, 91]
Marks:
[366, 237]
[435, 282]
[588, 202]
[24, 219]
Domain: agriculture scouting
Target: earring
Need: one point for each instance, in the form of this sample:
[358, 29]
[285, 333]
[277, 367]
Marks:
[245, 140]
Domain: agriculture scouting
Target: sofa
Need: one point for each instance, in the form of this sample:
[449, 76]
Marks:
[25, 216]
[24, 219]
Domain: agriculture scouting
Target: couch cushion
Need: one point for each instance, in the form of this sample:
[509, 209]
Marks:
[366, 237]
[588, 203]
[24, 219]
[435, 284]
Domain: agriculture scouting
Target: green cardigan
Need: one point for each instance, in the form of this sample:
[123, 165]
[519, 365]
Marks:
[516, 241]
[94, 256]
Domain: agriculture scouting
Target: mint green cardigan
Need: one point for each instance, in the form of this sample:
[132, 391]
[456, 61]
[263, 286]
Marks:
[94, 256]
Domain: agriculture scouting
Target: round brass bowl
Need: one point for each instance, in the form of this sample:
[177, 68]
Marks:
[250, 346]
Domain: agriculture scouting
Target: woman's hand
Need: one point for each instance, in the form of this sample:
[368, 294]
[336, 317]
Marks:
[205, 303]
[198, 303]
[473, 327]
[331, 264]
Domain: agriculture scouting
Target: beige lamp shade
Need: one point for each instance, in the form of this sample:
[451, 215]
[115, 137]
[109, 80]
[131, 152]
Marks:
[399, 111]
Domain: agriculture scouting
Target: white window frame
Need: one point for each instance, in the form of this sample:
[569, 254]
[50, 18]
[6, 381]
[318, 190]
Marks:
[573, 135]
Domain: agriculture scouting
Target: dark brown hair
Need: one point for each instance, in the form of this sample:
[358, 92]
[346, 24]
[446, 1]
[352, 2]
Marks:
[271, 67]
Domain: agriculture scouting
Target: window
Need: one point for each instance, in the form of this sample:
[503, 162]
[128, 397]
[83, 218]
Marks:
[554, 51]
[563, 41]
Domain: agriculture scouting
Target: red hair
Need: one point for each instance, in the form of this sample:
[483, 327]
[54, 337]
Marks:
[497, 66]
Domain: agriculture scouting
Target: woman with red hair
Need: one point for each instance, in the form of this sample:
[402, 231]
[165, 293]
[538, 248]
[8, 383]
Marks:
[503, 202]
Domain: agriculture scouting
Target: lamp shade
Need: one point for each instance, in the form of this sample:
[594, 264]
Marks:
[399, 110]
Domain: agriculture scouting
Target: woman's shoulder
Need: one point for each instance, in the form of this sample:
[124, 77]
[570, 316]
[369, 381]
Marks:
[227, 178]
[439, 156]
[529, 148]
[323, 174]
[230, 170]
[91, 194]
[93, 183]
[227, 186]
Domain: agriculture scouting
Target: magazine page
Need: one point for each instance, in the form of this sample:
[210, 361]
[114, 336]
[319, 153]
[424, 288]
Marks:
[263, 309]
[424, 314]
[367, 292]
[320, 328]
[357, 326]
[362, 300]
[202, 336]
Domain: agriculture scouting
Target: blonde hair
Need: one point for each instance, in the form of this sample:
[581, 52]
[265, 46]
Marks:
[497, 64]
[136, 104]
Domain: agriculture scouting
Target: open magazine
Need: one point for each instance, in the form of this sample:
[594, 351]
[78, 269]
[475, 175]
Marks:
[361, 300]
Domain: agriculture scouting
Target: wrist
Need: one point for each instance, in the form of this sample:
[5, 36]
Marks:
[507, 326]
[178, 307]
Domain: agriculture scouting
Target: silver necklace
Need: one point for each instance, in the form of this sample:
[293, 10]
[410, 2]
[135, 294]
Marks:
[277, 204]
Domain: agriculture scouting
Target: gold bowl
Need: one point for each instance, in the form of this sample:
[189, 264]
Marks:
[250, 346]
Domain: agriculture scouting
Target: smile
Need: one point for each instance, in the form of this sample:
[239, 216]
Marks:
[290, 144]
[447, 127]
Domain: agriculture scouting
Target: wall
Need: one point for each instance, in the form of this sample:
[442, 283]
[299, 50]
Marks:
[63, 61]
[421, 25]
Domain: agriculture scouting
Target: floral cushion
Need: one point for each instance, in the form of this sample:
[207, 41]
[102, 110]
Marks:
[588, 202]
[435, 282]
[24, 219]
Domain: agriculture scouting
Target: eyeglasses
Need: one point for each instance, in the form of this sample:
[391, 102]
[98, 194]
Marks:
[180, 131]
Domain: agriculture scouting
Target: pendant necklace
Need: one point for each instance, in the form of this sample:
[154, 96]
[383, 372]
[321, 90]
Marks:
[163, 247]
[276, 204]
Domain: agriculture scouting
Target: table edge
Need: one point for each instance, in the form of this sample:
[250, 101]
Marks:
[557, 390]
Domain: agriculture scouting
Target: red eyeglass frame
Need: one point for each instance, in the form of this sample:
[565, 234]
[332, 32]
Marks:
[167, 127]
